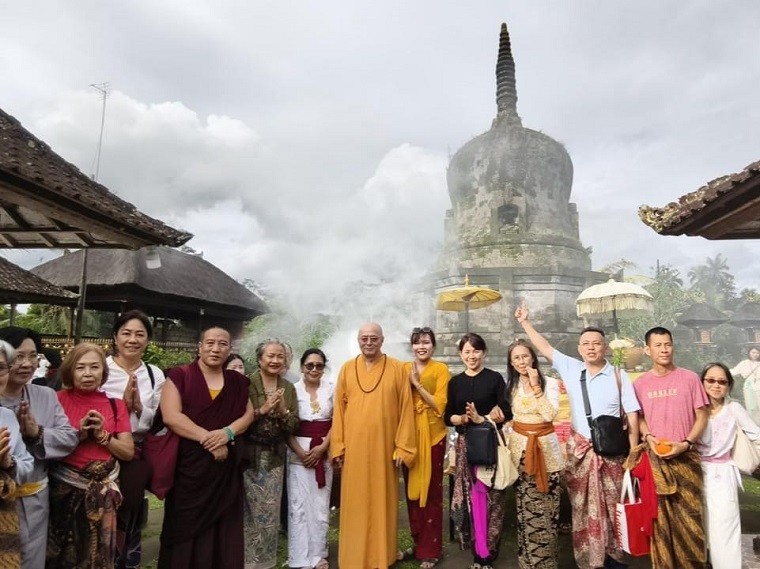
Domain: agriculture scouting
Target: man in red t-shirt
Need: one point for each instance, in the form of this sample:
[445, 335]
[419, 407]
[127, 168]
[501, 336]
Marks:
[674, 412]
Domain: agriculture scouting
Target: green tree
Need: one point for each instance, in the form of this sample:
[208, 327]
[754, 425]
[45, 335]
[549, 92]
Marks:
[52, 319]
[749, 295]
[714, 281]
[670, 301]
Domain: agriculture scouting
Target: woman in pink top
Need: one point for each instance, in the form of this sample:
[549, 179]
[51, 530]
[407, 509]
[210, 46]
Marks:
[721, 478]
[84, 493]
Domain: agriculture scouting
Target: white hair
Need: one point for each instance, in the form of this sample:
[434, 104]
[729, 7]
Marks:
[8, 351]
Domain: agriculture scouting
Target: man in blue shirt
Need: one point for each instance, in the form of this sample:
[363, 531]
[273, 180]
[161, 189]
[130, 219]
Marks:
[593, 481]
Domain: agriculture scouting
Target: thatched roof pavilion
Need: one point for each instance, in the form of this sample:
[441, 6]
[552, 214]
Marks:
[185, 287]
[21, 286]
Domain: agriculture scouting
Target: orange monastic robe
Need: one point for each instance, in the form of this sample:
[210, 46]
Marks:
[373, 422]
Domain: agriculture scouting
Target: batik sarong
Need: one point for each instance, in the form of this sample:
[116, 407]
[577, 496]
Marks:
[593, 484]
[263, 493]
[83, 507]
[537, 520]
[10, 542]
[679, 537]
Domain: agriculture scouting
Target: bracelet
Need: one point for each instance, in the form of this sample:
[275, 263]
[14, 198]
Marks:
[104, 439]
[688, 442]
[37, 439]
[648, 435]
[230, 434]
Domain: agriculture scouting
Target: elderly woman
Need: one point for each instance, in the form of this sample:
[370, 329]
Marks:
[48, 436]
[424, 481]
[16, 465]
[275, 419]
[207, 408]
[535, 449]
[84, 494]
[139, 385]
[721, 478]
[473, 395]
[309, 476]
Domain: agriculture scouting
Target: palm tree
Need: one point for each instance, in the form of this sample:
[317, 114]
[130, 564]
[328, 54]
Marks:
[714, 280]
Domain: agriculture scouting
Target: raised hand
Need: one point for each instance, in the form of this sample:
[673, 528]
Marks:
[521, 313]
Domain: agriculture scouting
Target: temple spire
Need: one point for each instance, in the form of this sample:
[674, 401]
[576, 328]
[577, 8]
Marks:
[506, 88]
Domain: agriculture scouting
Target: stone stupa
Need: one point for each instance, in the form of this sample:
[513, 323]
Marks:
[512, 228]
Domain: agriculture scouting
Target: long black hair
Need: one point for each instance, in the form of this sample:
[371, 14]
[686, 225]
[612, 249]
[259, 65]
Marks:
[513, 376]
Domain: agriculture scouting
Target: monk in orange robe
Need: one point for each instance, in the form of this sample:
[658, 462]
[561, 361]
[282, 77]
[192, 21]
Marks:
[373, 433]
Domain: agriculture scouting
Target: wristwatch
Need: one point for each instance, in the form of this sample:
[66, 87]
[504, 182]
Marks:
[688, 442]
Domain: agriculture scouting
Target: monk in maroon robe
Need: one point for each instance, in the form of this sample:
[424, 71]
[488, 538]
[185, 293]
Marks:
[208, 407]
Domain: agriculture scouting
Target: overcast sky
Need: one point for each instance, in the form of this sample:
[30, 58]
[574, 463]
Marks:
[305, 144]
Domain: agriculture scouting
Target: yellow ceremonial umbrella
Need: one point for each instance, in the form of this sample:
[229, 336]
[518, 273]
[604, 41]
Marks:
[464, 298]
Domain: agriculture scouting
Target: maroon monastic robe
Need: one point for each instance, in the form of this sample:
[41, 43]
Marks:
[203, 515]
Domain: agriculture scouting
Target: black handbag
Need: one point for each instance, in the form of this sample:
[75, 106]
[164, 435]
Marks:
[481, 444]
[609, 434]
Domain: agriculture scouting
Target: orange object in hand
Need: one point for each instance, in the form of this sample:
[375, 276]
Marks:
[664, 447]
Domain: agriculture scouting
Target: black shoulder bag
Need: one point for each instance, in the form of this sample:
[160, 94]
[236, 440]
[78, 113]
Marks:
[481, 444]
[609, 434]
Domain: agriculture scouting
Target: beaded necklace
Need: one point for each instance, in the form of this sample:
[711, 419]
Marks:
[358, 381]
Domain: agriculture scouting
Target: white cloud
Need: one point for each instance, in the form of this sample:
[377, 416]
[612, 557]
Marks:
[307, 152]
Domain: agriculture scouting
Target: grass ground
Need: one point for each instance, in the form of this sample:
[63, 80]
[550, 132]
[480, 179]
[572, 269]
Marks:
[750, 517]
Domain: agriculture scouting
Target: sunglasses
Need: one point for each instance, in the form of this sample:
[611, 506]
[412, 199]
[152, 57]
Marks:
[311, 366]
[425, 330]
[722, 382]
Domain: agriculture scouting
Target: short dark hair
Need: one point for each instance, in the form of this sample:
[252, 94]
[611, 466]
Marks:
[417, 333]
[231, 358]
[14, 335]
[659, 331]
[725, 369]
[592, 329]
[475, 340]
[311, 352]
[135, 314]
[214, 327]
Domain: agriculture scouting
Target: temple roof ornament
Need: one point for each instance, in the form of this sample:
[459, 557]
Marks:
[506, 86]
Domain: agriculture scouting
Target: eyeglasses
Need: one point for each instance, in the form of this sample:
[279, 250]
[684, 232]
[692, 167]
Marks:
[311, 366]
[424, 330]
[722, 382]
[21, 358]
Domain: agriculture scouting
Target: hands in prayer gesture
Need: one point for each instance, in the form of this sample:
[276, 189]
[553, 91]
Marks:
[132, 396]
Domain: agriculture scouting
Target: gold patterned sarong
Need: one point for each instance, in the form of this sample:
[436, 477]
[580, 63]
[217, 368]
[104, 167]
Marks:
[679, 537]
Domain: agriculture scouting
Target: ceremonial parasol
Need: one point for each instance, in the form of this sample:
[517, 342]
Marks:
[613, 296]
[464, 298]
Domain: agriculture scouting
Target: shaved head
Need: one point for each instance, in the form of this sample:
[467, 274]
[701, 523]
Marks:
[370, 339]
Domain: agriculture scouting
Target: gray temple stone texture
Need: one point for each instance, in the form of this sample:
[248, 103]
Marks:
[513, 228]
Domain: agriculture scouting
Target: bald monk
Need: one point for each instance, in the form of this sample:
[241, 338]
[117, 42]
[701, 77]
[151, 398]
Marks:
[373, 433]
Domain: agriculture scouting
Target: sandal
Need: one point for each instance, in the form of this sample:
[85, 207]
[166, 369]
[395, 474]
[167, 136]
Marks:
[405, 555]
[323, 564]
[429, 563]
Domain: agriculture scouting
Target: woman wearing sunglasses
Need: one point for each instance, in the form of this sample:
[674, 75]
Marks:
[721, 478]
[309, 471]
